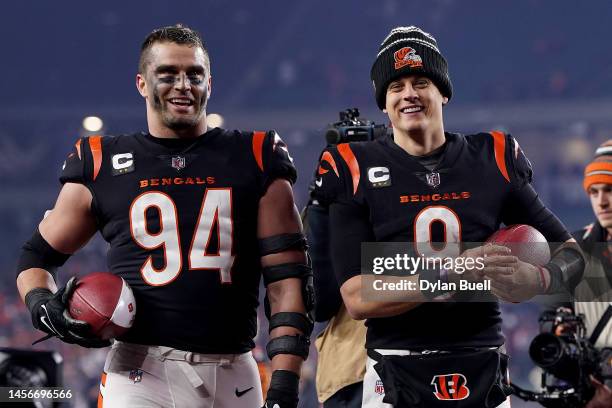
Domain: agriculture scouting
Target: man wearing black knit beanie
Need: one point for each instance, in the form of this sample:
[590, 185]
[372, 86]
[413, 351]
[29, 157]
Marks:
[433, 190]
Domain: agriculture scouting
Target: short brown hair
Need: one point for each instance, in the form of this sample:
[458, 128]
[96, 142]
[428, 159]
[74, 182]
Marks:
[178, 34]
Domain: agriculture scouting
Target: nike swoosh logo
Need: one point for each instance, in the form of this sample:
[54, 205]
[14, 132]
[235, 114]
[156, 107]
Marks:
[319, 182]
[241, 393]
[49, 325]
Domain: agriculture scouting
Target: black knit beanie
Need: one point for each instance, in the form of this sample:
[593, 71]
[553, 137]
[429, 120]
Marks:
[408, 51]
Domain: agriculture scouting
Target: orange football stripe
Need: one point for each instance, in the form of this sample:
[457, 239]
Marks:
[499, 142]
[327, 157]
[78, 148]
[95, 144]
[347, 155]
[258, 139]
[100, 396]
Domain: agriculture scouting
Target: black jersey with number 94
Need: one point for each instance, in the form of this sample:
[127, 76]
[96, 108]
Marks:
[181, 220]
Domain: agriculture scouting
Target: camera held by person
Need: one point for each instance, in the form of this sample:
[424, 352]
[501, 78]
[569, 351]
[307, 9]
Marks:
[569, 359]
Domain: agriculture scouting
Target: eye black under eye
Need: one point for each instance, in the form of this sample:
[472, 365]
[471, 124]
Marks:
[196, 79]
[166, 79]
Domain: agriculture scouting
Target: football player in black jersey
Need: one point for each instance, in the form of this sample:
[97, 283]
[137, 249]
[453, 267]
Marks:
[426, 185]
[194, 217]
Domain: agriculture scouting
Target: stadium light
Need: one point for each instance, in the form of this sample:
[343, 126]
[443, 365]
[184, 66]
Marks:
[92, 123]
[214, 120]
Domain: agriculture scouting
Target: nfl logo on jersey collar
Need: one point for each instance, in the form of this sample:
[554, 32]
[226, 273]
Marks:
[178, 162]
[433, 179]
[136, 375]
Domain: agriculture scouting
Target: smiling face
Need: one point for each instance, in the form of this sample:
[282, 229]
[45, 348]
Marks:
[176, 86]
[414, 105]
[601, 201]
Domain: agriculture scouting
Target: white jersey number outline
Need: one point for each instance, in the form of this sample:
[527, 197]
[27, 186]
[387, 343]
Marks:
[216, 208]
[452, 231]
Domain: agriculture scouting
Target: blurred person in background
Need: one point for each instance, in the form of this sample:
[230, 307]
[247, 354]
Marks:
[194, 217]
[425, 185]
[593, 296]
[341, 355]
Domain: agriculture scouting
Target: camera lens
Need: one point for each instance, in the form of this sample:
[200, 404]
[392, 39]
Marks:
[545, 350]
[332, 136]
[558, 355]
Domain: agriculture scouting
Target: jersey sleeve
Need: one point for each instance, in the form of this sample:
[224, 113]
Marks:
[73, 169]
[523, 205]
[336, 184]
[327, 292]
[329, 176]
[84, 162]
[520, 168]
[273, 158]
[349, 227]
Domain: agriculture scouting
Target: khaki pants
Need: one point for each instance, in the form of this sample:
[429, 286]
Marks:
[150, 376]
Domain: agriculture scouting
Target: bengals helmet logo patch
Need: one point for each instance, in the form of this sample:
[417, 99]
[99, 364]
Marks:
[407, 56]
[450, 387]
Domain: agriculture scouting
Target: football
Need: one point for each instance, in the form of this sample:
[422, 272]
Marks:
[526, 242]
[106, 302]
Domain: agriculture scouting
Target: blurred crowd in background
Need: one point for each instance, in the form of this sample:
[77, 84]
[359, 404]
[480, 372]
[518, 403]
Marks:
[539, 69]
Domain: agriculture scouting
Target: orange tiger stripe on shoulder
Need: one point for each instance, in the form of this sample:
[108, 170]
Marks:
[258, 139]
[349, 158]
[95, 144]
[327, 157]
[499, 147]
[78, 148]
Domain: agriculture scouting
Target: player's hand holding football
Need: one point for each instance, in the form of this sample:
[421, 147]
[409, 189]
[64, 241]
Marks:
[50, 314]
[483, 260]
[283, 391]
[516, 281]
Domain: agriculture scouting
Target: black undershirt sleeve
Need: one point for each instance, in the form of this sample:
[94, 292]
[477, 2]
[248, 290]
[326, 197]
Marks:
[349, 227]
[524, 206]
[327, 291]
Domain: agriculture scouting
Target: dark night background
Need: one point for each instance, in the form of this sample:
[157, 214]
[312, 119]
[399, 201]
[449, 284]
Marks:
[539, 69]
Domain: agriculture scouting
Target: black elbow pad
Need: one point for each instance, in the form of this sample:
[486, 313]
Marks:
[37, 253]
[566, 269]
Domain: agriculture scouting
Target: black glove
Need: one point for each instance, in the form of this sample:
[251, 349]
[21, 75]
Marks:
[283, 391]
[50, 314]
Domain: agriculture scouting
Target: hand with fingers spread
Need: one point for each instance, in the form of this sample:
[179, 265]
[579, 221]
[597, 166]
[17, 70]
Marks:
[50, 314]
